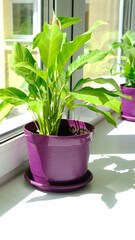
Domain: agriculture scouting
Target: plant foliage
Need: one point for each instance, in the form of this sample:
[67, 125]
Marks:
[48, 96]
[127, 45]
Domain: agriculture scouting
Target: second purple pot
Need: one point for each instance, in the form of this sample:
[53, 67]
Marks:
[128, 106]
[58, 158]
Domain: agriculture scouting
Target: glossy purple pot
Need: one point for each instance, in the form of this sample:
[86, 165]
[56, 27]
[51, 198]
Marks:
[128, 106]
[58, 158]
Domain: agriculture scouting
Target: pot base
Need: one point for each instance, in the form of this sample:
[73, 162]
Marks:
[128, 118]
[49, 187]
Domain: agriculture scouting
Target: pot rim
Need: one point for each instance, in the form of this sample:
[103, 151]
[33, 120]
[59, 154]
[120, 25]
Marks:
[61, 137]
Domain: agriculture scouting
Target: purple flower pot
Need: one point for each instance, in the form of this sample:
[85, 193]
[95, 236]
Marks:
[128, 106]
[58, 158]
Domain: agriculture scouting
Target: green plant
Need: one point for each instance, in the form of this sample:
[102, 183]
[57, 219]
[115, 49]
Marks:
[48, 96]
[127, 45]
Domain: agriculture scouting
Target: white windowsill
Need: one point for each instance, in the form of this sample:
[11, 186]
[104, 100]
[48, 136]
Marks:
[106, 204]
[14, 124]
[13, 158]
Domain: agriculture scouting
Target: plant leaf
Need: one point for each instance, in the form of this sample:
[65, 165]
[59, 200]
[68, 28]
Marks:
[33, 92]
[50, 44]
[28, 66]
[68, 21]
[21, 55]
[98, 96]
[129, 38]
[99, 81]
[13, 96]
[70, 48]
[64, 39]
[96, 24]
[89, 57]
[36, 106]
[37, 39]
[5, 109]
[107, 115]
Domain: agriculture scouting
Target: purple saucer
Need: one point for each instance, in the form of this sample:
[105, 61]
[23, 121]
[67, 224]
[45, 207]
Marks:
[128, 118]
[49, 187]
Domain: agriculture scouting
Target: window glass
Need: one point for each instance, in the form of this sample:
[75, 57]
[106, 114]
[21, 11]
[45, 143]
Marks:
[111, 12]
[22, 18]
[20, 21]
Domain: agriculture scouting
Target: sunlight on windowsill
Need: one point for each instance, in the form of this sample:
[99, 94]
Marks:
[15, 122]
[125, 128]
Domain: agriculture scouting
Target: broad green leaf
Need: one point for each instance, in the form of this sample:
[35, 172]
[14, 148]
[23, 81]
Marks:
[62, 81]
[100, 91]
[99, 81]
[33, 92]
[70, 104]
[13, 96]
[5, 108]
[128, 70]
[27, 66]
[128, 50]
[98, 96]
[129, 38]
[29, 76]
[116, 45]
[107, 115]
[36, 106]
[50, 44]
[70, 48]
[81, 82]
[68, 21]
[132, 52]
[21, 55]
[64, 39]
[89, 57]
[103, 81]
[107, 80]
[37, 39]
[96, 24]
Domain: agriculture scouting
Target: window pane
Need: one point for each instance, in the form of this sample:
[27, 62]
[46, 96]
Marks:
[111, 12]
[20, 21]
[22, 18]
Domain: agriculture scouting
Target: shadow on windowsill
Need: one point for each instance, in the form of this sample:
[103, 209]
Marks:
[106, 182]
[112, 175]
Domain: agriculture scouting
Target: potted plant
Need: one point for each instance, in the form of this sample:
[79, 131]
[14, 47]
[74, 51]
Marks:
[58, 149]
[127, 45]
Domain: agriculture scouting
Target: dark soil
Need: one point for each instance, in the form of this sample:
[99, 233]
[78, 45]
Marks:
[67, 130]
[71, 131]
